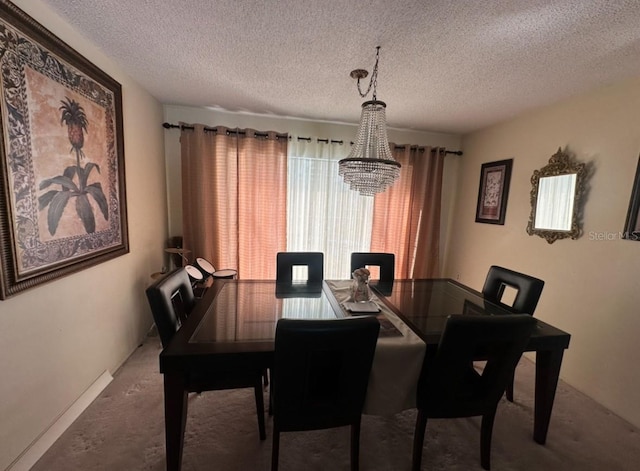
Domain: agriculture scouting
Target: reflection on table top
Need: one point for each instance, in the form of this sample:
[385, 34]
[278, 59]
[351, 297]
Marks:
[425, 304]
[257, 307]
[239, 316]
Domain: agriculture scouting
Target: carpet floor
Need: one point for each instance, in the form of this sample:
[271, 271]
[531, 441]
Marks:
[123, 429]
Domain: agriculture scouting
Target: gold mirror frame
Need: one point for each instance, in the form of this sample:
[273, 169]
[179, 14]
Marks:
[560, 163]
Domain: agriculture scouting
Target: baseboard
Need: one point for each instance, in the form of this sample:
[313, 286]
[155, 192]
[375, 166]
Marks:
[41, 444]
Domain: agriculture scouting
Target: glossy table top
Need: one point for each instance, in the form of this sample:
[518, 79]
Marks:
[256, 308]
[240, 316]
[425, 304]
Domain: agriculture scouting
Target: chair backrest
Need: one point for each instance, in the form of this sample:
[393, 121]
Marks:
[171, 299]
[386, 262]
[314, 261]
[529, 288]
[321, 371]
[450, 386]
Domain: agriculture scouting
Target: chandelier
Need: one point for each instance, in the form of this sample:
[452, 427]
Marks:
[370, 168]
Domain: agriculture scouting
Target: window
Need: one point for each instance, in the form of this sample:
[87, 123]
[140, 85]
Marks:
[323, 214]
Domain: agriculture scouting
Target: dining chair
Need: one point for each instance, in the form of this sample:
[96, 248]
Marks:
[285, 261]
[449, 385]
[320, 376]
[171, 300]
[526, 299]
[386, 262]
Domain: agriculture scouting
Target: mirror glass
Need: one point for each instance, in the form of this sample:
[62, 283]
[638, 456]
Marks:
[554, 209]
[556, 190]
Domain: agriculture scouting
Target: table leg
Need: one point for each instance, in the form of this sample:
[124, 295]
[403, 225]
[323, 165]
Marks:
[175, 418]
[548, 364]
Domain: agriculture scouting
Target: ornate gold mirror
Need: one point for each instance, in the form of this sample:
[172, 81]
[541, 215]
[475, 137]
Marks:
[556, 193]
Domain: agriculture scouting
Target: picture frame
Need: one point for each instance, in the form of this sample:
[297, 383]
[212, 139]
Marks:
[632, 223]
[493, 191]
[62, 181]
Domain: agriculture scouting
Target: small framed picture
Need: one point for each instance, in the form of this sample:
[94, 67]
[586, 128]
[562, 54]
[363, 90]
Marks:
[493, 191]
[632, 224]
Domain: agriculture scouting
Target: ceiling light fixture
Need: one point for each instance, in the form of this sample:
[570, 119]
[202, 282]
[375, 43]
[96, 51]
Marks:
[370, 168]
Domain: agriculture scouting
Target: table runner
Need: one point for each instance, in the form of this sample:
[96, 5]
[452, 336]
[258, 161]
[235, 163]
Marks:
[396, 364]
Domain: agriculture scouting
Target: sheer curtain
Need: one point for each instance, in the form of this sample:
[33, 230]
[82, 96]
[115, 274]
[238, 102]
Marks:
[407, 216]
[234, 189]
[323, 214]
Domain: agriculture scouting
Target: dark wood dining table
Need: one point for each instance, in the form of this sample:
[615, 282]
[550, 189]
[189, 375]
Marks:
[233, 325]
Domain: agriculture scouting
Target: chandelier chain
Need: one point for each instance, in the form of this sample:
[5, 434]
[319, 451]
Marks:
[374, 78]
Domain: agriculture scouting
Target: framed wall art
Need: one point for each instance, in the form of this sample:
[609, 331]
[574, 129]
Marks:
[632, 224]
[62, 201]
[493, 191]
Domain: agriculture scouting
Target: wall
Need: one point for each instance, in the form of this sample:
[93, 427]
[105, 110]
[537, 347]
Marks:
[591, 286]
[295, 127]
[57, 339]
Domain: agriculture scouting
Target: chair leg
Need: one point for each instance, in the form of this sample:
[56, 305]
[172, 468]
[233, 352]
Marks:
[418, 440]
[265, 377]
[486, 430]
[260, 408]
[355, 446]
[275, 449]
[510, 387]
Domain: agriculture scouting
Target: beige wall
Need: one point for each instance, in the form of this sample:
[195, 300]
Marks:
[591, 286]
[295, 127]
[57, 339]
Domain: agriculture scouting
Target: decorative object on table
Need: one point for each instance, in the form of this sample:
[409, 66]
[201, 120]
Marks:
[385, 261]
[632, 224]
[175, 242]
[370, 168]
[360, 291]
[62, 182]
[205, 267]
[208, 270]
[159, 274]
[180, 252]
[493, 191]
[363, 307]
[195, 275]
[227, 273]
[556, 198]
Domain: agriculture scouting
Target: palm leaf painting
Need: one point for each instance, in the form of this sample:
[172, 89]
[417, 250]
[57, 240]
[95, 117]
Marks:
[74, 181]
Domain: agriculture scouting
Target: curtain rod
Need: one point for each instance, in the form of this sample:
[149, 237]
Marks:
[230, 131]
[173, 126]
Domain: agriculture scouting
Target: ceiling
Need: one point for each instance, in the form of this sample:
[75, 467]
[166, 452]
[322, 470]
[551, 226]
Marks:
[445, 65]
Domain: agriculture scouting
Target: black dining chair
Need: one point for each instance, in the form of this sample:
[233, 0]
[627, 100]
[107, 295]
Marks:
[285, 261]
[449, 385]
[320, 376]
[526, 299]
[171, 300]
[386, 262]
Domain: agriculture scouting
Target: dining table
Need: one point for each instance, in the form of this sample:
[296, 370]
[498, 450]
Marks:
[233, 326]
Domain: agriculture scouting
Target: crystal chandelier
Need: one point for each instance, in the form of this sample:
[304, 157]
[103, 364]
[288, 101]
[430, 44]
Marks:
[370, 168]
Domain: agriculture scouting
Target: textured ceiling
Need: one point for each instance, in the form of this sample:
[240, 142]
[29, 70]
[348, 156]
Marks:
[445, 65]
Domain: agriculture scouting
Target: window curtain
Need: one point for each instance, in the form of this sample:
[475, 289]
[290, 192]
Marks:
[406, 217]
[234, 186]
[324, 215]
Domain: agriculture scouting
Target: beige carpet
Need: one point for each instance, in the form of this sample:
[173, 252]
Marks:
[124, 430]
